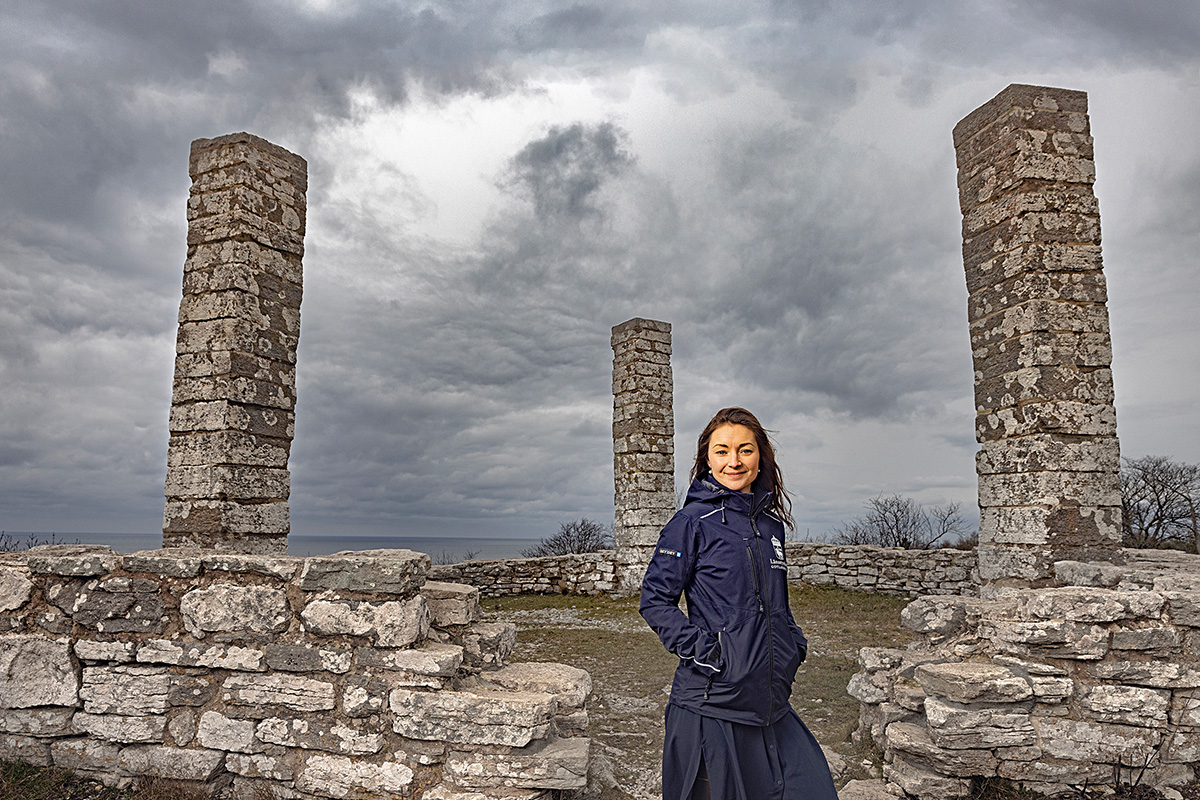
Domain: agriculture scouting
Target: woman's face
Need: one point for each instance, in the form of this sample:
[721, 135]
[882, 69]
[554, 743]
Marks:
[733, 457]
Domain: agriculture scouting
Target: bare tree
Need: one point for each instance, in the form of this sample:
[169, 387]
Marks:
[1159, 499]
[897, 521]
[578, 536]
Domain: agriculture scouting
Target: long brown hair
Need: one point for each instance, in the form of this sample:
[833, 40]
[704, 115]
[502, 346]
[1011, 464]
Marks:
[768, 467]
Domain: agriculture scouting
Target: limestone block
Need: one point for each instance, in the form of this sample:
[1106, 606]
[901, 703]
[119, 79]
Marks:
[864, 790]
[85, 755]
[973, 682]
[306, 658]
[89, 651]
[644, 462]
[281, 566]
[1086, 604]
[488, 643]
[363, 695]
[391, 571]
[319, 733]
[1085, 742]
[908, 694]
[176, 562]
[238, 264]
[451, 603]
[15, 589]
[1182, 747]
[28, 749]
[182, 728]
[218, 732]
[199, 448]
[220, 416]
[1067, 286]
[914, 740]
[484, 717]
[921, 782]
[560, 764]
[939, 617]
[230, 607]
[1056, 771]
[117, 728]
[570, 686]
[865, 688]
[1050, 638]
[1155, 674]
[1089, 489]
[1038, 315]
[1160, 640]
[291, 691]
[35, 671]
[196, 654]
[432, 659]
[1051, 689]
[1133, 705]
[171, 762]
[958, 727]
[37, 721]
[72, 560]
[128, 690]
[1184, 608]
[224, 518]
[388, 624]
[1021, 564]
[273, 765]
[111, 605]
[339, 776]
[228, 482]
[235, 389]
[1040, 350]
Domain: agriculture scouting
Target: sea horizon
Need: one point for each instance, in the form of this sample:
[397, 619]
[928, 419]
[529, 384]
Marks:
[442, 550]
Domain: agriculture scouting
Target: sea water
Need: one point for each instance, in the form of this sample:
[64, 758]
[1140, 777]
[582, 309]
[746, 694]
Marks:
[442, 550]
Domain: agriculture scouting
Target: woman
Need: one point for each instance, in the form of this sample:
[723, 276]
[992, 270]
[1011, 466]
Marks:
[730, 731]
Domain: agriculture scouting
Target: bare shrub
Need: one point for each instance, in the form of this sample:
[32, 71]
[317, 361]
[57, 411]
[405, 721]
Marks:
[577, 536]
[897, 521]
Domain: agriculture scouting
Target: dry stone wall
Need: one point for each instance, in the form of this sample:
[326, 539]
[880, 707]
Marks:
[583, 573]
[233, 404]
[1094, 681]
[343, 676]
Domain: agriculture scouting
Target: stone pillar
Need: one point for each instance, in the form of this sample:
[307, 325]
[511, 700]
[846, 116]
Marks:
[232, 409]
[1049, 462]
[643, 443]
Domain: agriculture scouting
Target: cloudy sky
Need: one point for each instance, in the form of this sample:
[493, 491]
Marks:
[493, 186]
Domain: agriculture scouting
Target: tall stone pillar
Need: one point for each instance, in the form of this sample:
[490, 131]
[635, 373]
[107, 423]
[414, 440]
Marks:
[1049, 459]
[643, 443]
[232, 408]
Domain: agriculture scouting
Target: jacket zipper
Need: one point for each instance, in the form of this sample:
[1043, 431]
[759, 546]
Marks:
[754, 575]
[770, 637]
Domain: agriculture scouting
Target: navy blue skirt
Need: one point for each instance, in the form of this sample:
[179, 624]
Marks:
[744, 762]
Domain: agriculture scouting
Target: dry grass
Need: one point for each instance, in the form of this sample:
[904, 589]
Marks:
[20, 781]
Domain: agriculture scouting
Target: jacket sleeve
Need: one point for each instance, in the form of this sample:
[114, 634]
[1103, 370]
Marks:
[671, 569]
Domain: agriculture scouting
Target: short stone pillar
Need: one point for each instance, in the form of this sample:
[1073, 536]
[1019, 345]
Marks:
[232, 408]
[1049, 462]
[643, 444]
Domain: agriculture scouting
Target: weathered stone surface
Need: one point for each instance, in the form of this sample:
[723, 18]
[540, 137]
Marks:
[1184, 607]
[451, 603]
[305, 658]
[1086, 604]
[117, 728]
[319, 733]
[218, 732]
[387, 624]
[180, 562]
[939, 617]
[363, 695]
[273, 566]
[273, 765]
[196, 654]
[570, 686]
[37, 721]
[959, 727]
[1078, 573]
[1052, 638]
[72, 560]
[863, 688]
[484, 717]
[171, 762]
[1055, 771]
[182, 728]
[111, 605]
[230, 607]
[35, 671]
[85, 755]
[488, 643]
[15, 589]
[432, 659]
[127, 690]
[921, 782]
[338, 776]
[1079, 741]
[973, 682]
[391, 571]
[120, 652]
[1133, 705]
[873, 659]
[1159, 639]
[292, 691]
[906, 737]
[864, 790]
[560, 764]
[28, 749]
[1156, 674]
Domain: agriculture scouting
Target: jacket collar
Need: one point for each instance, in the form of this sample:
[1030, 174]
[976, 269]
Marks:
[706, 489]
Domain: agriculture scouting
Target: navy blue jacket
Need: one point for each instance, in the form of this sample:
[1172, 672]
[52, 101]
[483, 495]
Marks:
[738, 645]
